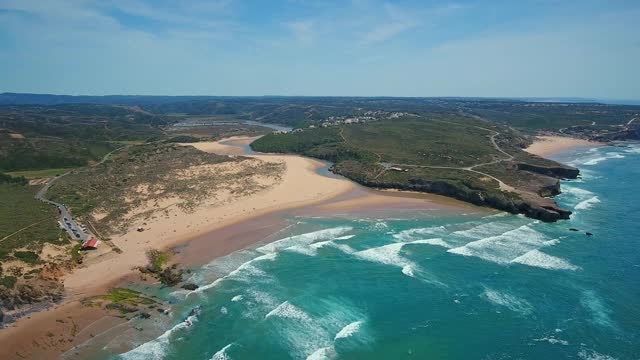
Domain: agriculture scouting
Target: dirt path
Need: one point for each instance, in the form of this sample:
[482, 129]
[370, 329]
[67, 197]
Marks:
[492, 138]
[24, 228]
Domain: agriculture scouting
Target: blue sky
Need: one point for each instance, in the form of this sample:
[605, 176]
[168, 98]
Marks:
[515, 48]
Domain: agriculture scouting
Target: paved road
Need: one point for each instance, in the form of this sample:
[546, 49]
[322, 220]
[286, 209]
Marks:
[68, 223]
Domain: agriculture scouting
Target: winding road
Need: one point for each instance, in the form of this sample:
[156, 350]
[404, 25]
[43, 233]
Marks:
[67, 221]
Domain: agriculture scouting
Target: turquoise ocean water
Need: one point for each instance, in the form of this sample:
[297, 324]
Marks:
[427, 286]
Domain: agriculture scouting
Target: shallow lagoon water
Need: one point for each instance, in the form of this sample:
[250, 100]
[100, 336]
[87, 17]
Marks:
[427, 286]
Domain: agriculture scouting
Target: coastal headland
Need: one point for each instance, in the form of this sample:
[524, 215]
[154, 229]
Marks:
[212, 229]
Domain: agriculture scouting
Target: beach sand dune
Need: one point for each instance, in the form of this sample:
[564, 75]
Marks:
[300, 185]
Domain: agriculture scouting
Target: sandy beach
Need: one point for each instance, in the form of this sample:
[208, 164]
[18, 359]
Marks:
[548, 145]
[300, 186]
[213, 231]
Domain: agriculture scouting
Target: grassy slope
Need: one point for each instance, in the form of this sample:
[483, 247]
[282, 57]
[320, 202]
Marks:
[62, 136]
[414, 144]
[437, 140]
[131, 179]
[18, 209]
[36, 174]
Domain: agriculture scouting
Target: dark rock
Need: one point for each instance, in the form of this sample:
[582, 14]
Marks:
[537, 208]
[170, 277]
[190, 286]
[1, 316]
[144, 315]
[573, 229]
[588, 234]
[163, 311]
[122, 308]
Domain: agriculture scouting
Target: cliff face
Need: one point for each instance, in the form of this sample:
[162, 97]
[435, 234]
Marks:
[562, 172]
[530, 205]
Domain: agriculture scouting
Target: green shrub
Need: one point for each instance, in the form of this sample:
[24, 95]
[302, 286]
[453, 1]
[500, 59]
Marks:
[8, 281]
[29, 257]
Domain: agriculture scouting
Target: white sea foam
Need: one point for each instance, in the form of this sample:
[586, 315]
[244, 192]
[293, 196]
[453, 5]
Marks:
[237, 298]
[258, 303]
[435, 242]
[408, 270]
[599, 311]
[504, 247]
[348, 330]
[498, 215]
[587, 204]
[156, 348]
[388, 254]
[323, 353]
[539, 259]
[222, 353]
[262, 298]
[485, 230]
[289, 311]
[587, 354]
[312, 335]
[632, 150]
[303, 249]
[412, 234]
[346, 237]
[224, 311]
[552, 340]
[304, 239]
[511, 302]
[245, 272]
[519, 246]
[576, 192]
[380, 225]
[607, 156]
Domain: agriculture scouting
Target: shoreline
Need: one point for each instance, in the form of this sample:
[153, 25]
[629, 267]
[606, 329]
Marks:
[302, 189]
[545, 145]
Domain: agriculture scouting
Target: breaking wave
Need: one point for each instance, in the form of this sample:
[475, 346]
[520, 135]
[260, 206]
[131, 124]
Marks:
[412, 234]
[607, 156]
[222, 353]
[156, 349]
[539, 259]
[245, 272]
[304, 239]
[593, 355]
[348, 330]
[289, 311]
[587, 204]
[323, 353]
[515, 246]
